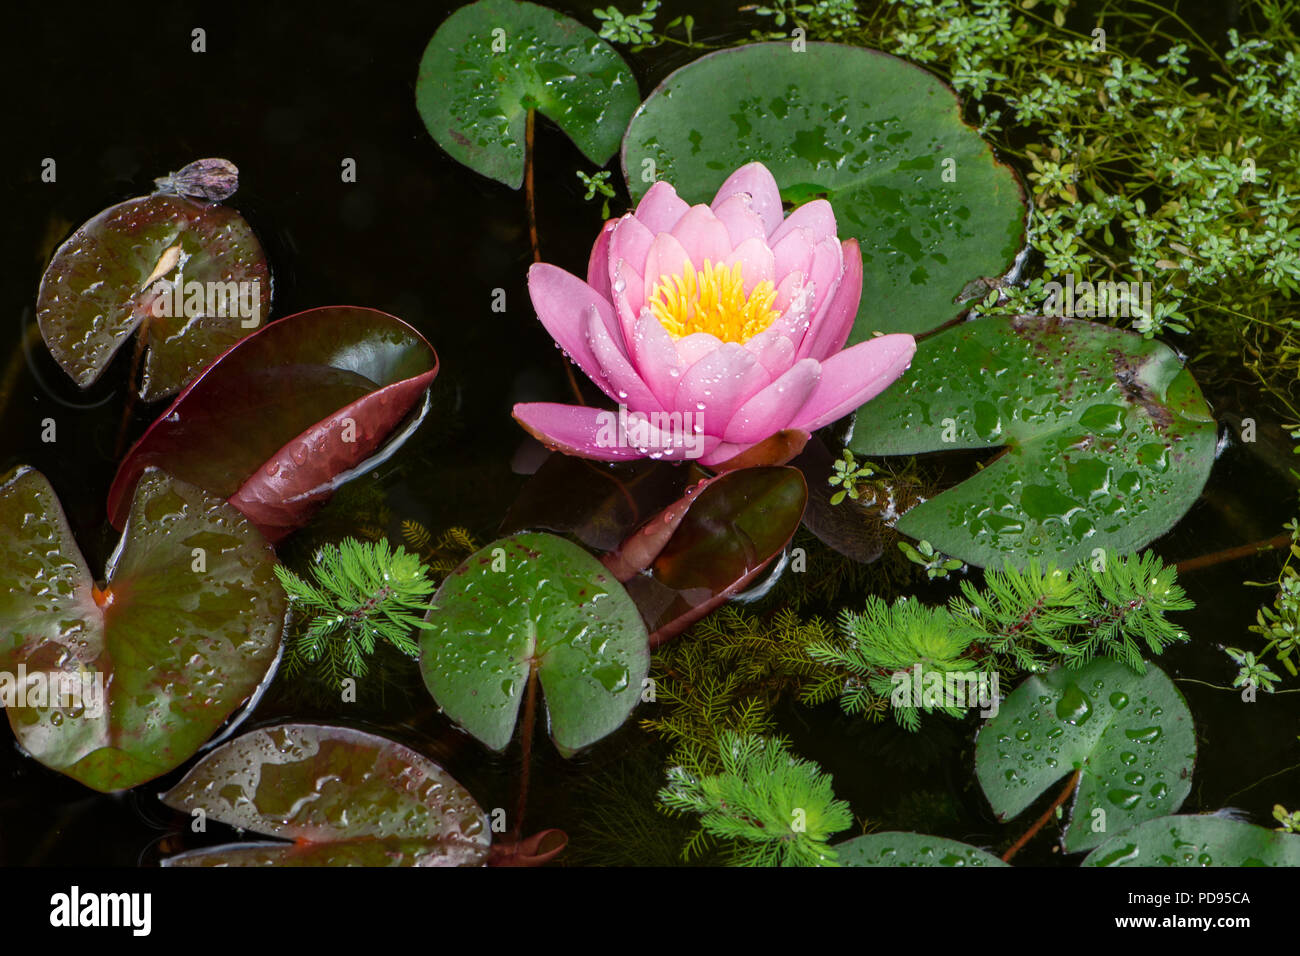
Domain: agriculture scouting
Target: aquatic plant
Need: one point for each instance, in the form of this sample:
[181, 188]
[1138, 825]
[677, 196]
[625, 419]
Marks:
[714, 327]
[773, 808]
[360, 593]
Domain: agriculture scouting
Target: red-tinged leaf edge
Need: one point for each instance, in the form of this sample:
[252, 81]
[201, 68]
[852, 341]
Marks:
[275, 496]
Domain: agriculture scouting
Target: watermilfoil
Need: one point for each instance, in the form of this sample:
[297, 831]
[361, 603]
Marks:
[713, 327]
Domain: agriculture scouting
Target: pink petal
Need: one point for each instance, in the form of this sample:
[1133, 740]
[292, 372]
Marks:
[630, 243]
[817, 217]
[716, 385]
[855, 376]
[575, 430]
[774, 407]
[562, 301]
[837, 321]
[628, 287]
[694, 347]
[737, 214]
[654, 356]
[702, 236]
[756, 263]
[624, 384]
[757, 182]
[828, 264]
[665, 258]
[793, 253]
[660, 208]
[598, 261]
[774, 349]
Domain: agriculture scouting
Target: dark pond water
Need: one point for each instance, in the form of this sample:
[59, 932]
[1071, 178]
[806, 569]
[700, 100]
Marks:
[289, 91]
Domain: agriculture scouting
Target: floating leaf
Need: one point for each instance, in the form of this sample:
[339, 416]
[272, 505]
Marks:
[911, 849]
[184, 632]
[708, 546]
[869, 132]
[598, 502]
[1197, 841]
[135, 262]
[345, 798]
[1130, 734]
[1108, 440]
[534, 603]
[288, 414]
[491, 62]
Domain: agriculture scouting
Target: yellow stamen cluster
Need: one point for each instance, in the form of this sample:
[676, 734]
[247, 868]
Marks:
[712, 300]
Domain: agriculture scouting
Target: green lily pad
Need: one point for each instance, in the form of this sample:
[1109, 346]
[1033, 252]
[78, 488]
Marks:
[867, 131]
[134, 263]
[911, 849]
[1130, 734]
[184, 632]
[1197, 841]
[491, 62]
[1108, 440]
[345, 798]
[534, 602]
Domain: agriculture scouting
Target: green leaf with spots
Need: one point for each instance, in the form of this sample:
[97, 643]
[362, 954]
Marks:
[190, 276]
[493, 61]
[345, 798]
[534, 605]
[1129, 735]
[871, 133]
[184, 632]
[1197, 841]
[1107, 438]
[911, 849]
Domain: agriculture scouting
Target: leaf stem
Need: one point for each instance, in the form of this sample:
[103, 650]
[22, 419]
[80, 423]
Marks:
[1047, 815]
[530, 196]
[131, 379]
[526, 752]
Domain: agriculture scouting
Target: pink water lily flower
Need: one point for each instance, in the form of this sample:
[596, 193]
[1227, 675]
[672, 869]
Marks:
[713, 327]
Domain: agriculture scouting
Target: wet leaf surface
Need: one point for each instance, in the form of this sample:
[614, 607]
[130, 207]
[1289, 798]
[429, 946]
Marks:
[183, 633]
[1197, 841]
[534, 601]
[283, 418]
[490, 62]
[708, 546]
[1131, 734]
[1108, 439]
[863, 129]
[103, 283]
[346, 798]
[911, 849]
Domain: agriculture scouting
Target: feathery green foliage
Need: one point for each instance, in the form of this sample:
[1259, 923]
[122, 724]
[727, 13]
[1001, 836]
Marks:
[774, 808]
[361, 593]
[885, 639]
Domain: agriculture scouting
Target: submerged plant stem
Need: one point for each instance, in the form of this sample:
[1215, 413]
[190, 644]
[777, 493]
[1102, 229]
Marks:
[1042, 821]
[1232, 554]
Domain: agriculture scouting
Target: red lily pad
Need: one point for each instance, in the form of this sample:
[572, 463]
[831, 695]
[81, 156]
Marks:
[184, 632]
[288, 414]
[344, 797]
[134, 262]
[709, 546]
